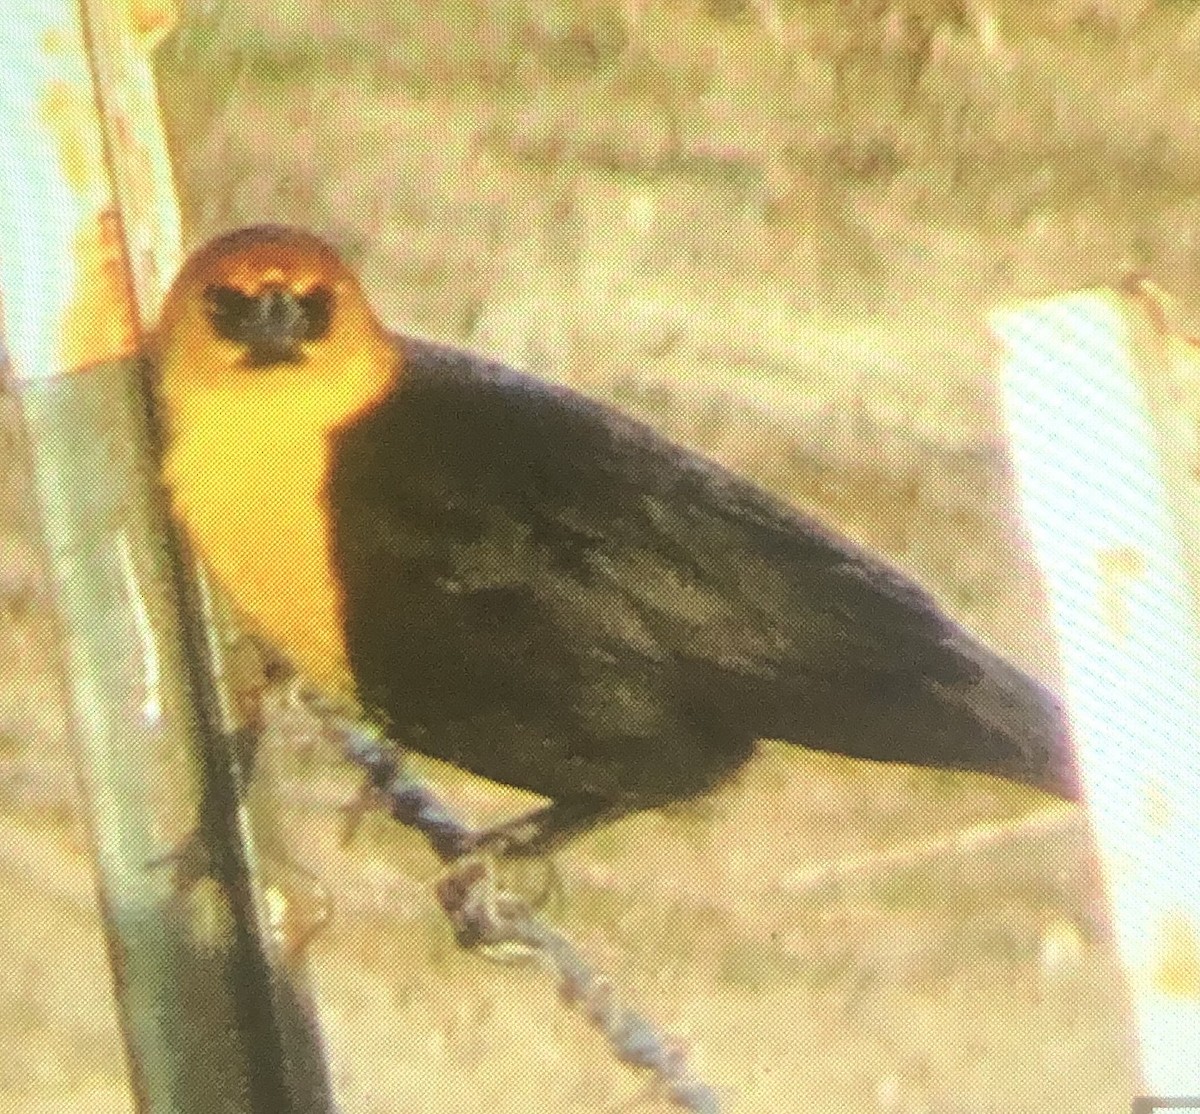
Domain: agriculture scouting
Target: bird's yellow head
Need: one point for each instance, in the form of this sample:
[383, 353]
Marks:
[263, 312]
[266, 346]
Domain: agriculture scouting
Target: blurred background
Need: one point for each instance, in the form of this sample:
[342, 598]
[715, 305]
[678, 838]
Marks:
[773, 228]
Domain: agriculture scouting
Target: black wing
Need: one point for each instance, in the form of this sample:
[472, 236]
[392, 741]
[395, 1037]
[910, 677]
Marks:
[548, 593]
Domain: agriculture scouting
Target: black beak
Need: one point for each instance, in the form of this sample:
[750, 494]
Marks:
[271, 324]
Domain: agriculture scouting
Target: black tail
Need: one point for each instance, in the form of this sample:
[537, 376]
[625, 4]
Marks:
[992, 718]
[1013, 725]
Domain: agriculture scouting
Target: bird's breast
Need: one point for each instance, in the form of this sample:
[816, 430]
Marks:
[249, 487]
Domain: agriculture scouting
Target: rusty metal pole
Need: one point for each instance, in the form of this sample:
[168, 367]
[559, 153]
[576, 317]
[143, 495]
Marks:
[213, 1021]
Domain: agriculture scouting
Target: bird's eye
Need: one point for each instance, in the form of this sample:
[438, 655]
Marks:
[271, 323]
[316, 307]
[229, 311]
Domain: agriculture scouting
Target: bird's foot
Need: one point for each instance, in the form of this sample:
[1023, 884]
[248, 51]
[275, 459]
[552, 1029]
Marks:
[411, 803]
[489, 919]
[485, 915]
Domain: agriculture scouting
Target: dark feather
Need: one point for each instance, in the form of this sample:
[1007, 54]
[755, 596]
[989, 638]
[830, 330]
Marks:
[546, 592]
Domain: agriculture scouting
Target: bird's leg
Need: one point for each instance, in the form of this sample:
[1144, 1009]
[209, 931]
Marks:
[388, 784]
[542, 831]
[487, 918]
[415, 805]
[490, 919]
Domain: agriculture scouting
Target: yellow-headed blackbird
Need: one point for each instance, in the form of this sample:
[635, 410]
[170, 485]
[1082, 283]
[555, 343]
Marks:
[530, 585]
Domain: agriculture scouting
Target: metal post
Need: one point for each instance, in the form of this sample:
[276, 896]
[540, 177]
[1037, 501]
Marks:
[1097, 496]
[212, 1020]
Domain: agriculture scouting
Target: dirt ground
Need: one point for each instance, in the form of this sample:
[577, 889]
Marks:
[774, 228]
